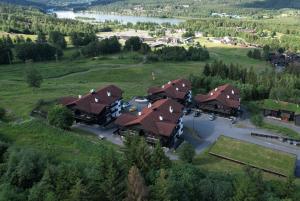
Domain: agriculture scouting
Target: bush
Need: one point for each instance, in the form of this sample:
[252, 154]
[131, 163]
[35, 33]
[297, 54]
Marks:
[33, 78]
[187, 153]
[2, 113]
[105, 46]
[133, 44]
[175, 53]
[60, 117]
[257, 120]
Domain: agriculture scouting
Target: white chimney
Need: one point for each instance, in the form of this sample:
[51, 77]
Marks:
[163, 86]
[211, 94]
[171, 109]
[140, 113]
[169, 82]
[232, 91]
[149, 105]
[79, 96]
[216, 89]
[228, 96]
[161, 118]
[96, 100]
[92, 90]
[183, 85]
[108, 93]
[177, 89]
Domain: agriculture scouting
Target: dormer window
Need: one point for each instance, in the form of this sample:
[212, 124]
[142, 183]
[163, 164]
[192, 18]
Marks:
[228, 96]
[177, 89]
[211, 94]
[232, 92]
[92, 91]
[79, 96]
[108, 93]
[161, 118]
[149, 105]
[140, 113]
[171, 109]
[96, 100]
[169, 82]
[163, 86]
[216, 89]
[183, 85]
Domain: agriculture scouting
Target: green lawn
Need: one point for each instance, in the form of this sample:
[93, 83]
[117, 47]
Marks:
[77, 76]
[62, 145]
[255, 155]
[280, 105]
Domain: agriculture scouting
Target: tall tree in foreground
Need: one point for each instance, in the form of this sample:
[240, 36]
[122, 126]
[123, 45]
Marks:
[136, 188]
[60, 117]
[57, 39]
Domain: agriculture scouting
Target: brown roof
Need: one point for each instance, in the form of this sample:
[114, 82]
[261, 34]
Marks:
[225, 94]
[176, 89]
[96, 101]
[159, 118]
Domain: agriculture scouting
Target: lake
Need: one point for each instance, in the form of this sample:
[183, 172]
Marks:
[100, 17]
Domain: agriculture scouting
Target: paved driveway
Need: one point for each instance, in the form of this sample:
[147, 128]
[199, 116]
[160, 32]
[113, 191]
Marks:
[209, 131]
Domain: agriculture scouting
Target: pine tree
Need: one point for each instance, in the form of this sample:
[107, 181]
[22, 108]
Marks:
[158, 158]
[206, 70]
[78, 191]
[159, 191]
[136, 188]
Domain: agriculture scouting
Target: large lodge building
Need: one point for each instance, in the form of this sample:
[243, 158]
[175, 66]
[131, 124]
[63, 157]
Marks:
[224, 100]
[179, 90]
[97, 107]
[160, 121]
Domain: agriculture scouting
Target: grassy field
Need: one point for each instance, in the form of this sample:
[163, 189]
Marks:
[77, 76]
[255, 155]
[62, 145]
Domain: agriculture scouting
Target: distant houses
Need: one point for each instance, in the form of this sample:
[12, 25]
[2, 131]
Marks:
[224, 100]
[179, 90]
[97, 107]
[158, 122]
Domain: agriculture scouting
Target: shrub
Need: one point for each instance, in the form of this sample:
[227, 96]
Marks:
[33, 78]
[187, 153]
[257, 120]
[2, 113]
[133, 44]
[60, 117]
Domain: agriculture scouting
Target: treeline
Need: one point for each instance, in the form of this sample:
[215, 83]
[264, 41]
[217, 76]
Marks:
[253, 86]
[42, 49]
[138, 173]
[26, 20]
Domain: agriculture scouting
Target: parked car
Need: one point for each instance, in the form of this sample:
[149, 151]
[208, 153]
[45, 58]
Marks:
[133, 109]
[187, 111]
[212, 117]
[101, 137]
[125, 105]
[197, 113]
[233, 120]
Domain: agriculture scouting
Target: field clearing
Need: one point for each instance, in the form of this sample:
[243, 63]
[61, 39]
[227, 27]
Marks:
[77, 76]
[62, 145]
[255, 155]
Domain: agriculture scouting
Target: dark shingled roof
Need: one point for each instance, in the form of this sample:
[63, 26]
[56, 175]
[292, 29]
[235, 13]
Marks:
[160, 118]
[96, 101]
[225, 94]
[176, 89]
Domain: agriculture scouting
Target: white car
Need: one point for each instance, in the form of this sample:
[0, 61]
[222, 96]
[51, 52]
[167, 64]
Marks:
[212, 117]
[101, 137]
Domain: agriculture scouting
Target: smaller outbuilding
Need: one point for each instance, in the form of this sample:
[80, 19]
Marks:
[281, 110]
[224, 100]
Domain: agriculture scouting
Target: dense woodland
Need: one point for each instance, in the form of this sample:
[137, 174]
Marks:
[138, 173]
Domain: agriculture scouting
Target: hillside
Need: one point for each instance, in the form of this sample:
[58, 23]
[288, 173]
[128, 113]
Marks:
[199, 8]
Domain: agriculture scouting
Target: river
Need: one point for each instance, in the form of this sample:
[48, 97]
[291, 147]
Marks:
[100, 17]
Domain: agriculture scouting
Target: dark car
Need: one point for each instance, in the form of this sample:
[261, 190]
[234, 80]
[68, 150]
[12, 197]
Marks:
[187, 111]
[197, 113]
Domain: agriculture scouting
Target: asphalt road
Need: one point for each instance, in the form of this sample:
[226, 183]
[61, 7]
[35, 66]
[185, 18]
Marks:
[209, 131]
